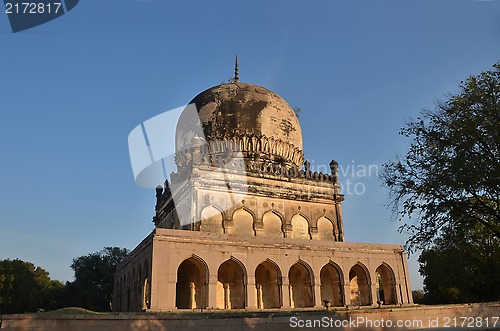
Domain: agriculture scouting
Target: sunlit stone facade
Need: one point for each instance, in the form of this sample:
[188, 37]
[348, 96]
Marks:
[245, 224]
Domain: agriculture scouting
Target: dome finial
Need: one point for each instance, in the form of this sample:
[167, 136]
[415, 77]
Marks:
[236, 72]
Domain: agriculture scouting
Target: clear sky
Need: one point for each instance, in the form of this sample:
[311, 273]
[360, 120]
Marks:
[72, 90]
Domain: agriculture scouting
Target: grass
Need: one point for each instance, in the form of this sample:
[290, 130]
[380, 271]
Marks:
[72, 311]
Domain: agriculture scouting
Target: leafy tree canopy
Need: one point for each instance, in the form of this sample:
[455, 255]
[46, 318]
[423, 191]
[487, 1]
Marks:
[450, 176]
[26, 288]
[94, 275]
[462, 266]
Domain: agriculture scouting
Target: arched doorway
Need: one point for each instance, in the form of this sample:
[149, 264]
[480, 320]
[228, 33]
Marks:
[231, 292]
[268, 285]
[191, 288]
[301, 286]
[359, 284]
[386, 286]
[331, 284]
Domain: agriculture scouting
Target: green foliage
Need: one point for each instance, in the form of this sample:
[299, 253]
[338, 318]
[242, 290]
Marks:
[462, 266]
[451, 172]
[26, 288]
[418, 296]
[94, 276]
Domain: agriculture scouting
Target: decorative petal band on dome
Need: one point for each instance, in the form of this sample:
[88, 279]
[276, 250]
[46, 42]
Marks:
[250, 145]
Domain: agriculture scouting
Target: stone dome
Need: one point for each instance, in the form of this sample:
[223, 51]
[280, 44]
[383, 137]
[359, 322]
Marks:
[238, 112]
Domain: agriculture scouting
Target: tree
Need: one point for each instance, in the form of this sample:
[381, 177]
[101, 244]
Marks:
[94, 276]
[462, 266]
[418, 296]
[450, 176]
[26, 288]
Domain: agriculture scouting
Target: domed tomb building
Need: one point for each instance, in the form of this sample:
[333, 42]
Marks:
[245, 224]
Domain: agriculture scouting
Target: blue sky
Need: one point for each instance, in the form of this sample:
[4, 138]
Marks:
[72, 90]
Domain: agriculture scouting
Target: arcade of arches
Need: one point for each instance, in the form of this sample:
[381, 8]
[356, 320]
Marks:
[132, 290]
[247, 279]
[232, 282]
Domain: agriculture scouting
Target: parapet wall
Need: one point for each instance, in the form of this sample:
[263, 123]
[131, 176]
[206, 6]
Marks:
[454, 317]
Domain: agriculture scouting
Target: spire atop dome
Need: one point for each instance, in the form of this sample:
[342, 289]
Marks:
[236, 71]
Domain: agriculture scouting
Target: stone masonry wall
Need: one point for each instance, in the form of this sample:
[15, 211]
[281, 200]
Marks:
[454, 317]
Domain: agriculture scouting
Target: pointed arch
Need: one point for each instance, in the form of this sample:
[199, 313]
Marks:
[146, 287]
[211, 219]
[243, 268]
[145, 268]
[192, 283]
[138, 290]
[231, 281]
[243, 220]
[301, 286]
[386, 284]
[332, 284]
[128, 291]
[122, 293]
[118, 302]
[268, 285]
[300, 227]
[325, 229]
[133, 291]
[359, 284]
[272, 223]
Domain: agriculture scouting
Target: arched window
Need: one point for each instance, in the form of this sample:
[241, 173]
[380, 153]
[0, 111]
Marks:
[325, 229]
[211, 220]
[272, 225]
[243, 222]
